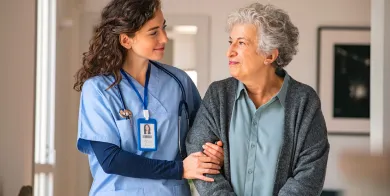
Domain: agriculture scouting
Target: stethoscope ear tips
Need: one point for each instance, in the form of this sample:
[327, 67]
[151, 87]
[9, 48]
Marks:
[125, 113]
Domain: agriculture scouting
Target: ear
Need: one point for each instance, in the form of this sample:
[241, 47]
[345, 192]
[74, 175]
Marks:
[125, 41]
[270, 58]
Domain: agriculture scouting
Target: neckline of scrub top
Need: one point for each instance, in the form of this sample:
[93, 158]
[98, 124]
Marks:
[153, 81]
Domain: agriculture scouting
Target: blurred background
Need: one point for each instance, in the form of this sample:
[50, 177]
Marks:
[41, 43]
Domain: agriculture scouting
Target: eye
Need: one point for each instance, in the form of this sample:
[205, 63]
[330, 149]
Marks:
[241, 43]
[230, 42]
[154, 33]
[164, 27]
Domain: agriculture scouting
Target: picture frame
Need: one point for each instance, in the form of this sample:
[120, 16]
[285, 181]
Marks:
[343, 75]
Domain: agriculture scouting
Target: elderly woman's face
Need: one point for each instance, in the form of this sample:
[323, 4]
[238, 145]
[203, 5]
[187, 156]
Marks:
[244, 60]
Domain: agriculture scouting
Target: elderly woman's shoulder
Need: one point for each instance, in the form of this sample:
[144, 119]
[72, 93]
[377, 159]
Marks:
[227, 83]
[300, 90]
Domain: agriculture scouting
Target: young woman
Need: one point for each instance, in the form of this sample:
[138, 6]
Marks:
[122, 90]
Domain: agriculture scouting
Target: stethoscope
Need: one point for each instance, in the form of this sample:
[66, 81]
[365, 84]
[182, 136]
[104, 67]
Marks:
[183, 104]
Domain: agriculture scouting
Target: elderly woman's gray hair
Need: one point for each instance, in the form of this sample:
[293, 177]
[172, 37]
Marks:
[274, 28]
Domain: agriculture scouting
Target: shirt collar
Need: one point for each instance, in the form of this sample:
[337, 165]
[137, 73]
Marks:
[281, 95]
[283, 91]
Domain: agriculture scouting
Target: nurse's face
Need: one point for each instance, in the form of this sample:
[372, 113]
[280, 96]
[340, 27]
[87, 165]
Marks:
[149, 42]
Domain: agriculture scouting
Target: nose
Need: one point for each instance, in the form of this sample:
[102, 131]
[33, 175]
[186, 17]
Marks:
[163, 37]
[231, 52]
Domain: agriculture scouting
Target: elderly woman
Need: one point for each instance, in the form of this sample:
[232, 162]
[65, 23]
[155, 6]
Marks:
[272, 127]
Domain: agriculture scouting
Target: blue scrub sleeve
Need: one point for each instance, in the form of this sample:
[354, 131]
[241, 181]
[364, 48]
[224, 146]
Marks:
[96, 122]
[114, 160]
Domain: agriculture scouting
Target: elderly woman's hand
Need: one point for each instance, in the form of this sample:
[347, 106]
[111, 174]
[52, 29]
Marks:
[214, 151]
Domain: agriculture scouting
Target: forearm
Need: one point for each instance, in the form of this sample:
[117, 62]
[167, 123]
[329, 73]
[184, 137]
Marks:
[114, 160]
[197, 136]
[206, 129]
[220, 186]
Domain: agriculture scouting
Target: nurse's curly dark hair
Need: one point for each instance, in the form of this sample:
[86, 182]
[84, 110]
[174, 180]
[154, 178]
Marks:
[106, 55]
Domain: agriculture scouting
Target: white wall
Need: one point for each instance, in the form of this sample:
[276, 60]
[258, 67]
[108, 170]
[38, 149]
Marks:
[17, 66]
[184, 52]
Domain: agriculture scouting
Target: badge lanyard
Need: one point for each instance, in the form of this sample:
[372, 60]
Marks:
[147, 139]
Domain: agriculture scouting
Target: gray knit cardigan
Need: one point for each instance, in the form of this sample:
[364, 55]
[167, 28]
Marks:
[303, 157]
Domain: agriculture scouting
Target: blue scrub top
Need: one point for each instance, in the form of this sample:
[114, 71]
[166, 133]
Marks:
[99, 120]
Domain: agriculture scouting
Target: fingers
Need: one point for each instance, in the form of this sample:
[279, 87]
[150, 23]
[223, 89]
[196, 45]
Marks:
[219, 143]
[206, 171]
[209, 166]
[210, 154]
[204, 178]
[198, 164]
[197, 154]
[214, 147]
[209, 171]
[206, 159]
[215, 159]
[214, 150]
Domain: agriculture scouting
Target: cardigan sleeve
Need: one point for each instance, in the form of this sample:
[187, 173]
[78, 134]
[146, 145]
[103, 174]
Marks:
[308, 175]
[205, 129]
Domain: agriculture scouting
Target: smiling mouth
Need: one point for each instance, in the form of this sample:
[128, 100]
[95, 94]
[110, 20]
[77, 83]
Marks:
[160, 49]
[233, 62]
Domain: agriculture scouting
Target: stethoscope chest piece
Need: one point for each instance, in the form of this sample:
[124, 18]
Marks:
[125, 113]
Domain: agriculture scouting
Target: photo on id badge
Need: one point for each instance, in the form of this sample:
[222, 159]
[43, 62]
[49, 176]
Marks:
[147, 135]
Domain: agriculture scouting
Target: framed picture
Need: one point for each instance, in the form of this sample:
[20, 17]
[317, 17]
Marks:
[343, 78]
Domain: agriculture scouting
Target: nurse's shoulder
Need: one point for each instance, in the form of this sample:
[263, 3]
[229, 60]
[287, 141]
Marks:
[97, 85]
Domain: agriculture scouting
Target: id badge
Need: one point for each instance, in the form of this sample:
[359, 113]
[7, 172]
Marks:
[147, 134]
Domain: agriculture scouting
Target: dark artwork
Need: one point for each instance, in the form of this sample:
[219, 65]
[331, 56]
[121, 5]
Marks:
[351, 81]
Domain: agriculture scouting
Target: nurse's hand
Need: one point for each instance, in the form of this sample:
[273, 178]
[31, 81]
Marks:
[214, 151]
[197, 164]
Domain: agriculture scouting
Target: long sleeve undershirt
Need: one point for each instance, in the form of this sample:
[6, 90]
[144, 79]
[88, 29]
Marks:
[114, 160]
